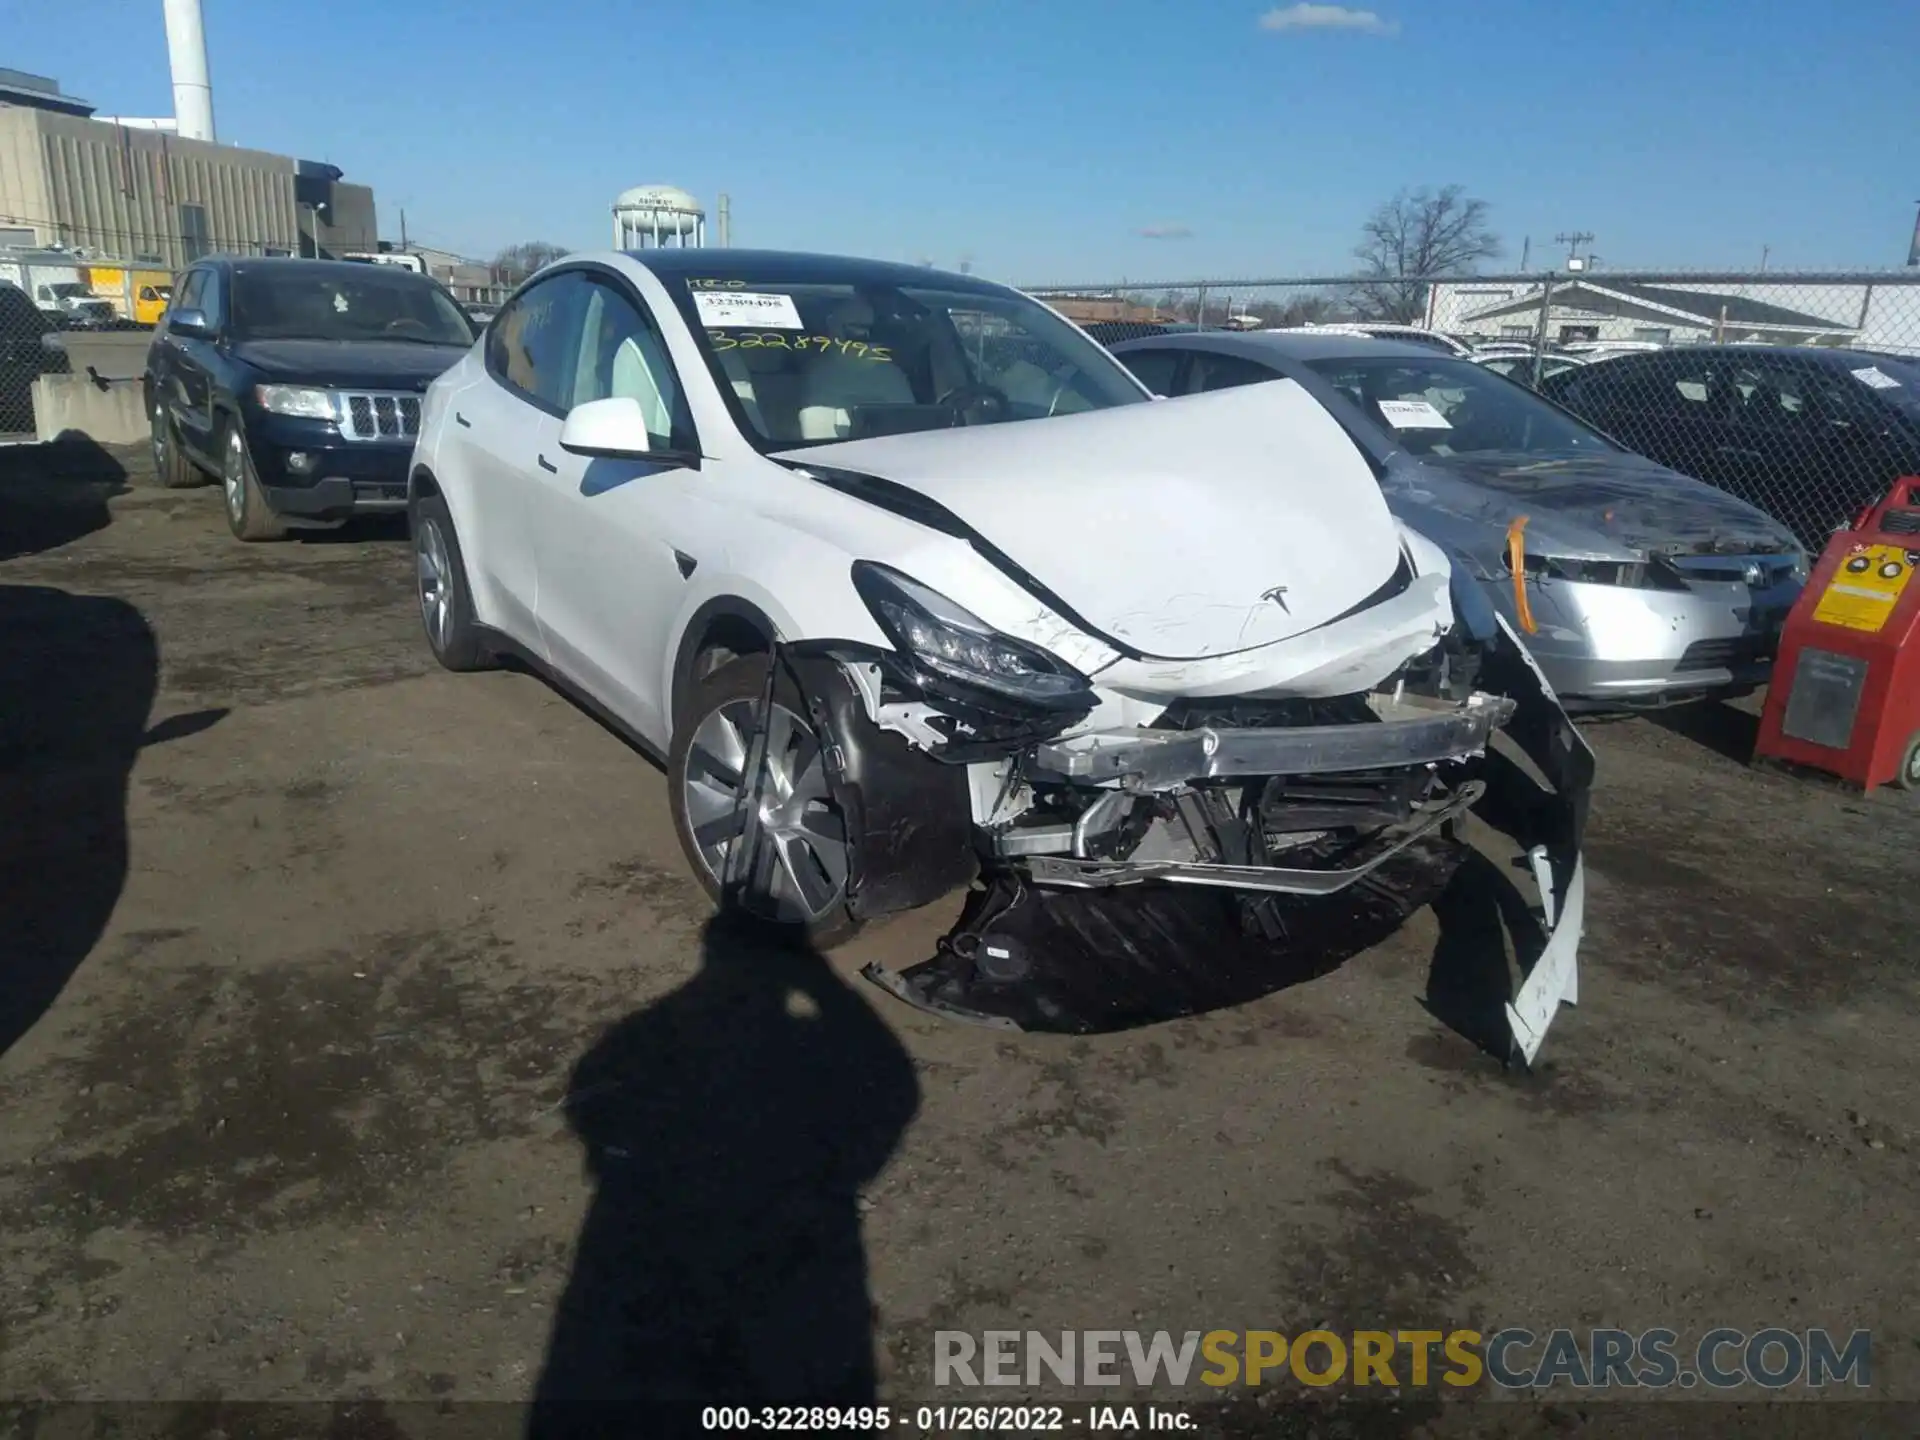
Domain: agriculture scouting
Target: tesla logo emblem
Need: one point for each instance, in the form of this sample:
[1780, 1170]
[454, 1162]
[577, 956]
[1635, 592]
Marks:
[1278, 594]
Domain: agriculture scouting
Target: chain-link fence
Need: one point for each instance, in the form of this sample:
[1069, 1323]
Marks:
[1797, 392]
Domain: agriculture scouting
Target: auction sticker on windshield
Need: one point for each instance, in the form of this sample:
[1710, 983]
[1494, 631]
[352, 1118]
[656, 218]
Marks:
[746, 310]
[1876, 378]
[1413, 415]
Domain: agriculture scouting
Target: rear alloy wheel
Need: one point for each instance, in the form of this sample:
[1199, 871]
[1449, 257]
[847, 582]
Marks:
[171, 468]
[798, 885]
[248, 514]
[440, 581]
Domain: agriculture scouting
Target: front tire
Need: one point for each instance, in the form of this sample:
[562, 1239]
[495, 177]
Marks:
[798, 889]
[1907, 777]
[440, 581]
[248, 514]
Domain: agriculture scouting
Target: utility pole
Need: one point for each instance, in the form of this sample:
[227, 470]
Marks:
[403, 232]
[1573, 242]
[1913, 249]
[1765, 251]
[1526, 249]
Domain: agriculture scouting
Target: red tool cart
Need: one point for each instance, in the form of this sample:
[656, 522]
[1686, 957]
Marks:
[1845, 696]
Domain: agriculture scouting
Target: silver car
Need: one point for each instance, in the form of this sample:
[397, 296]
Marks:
[1634, 585]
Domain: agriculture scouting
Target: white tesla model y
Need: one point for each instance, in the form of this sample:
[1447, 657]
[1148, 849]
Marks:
[911, 586]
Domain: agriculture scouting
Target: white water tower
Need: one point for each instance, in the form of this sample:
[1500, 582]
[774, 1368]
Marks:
[649, 217]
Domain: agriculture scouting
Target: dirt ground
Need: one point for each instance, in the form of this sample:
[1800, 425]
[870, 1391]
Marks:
[306, 942]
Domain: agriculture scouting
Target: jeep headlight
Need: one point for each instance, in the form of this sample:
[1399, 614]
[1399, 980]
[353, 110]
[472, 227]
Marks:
[303, 402]
[949, 644]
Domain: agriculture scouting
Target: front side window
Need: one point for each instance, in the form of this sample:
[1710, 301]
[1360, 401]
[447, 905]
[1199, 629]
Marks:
[533, 343]
[1154, 369]
[298, 302]
[1224, 372]
[813, 361]
[1443, 407]
[621, 355]
[192, 289]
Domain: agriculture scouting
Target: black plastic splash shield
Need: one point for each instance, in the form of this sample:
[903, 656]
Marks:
[1085, 961]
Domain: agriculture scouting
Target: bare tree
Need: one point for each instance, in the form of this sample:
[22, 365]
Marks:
[516, 262]
[1417, 236]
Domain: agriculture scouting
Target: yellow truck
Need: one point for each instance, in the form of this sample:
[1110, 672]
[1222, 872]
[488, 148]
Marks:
[139, 295]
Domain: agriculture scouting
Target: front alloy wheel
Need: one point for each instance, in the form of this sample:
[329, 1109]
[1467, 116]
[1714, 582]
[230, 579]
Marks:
[248, 515]
[798, 879]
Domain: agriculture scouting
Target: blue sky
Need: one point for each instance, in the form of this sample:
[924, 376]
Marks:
[1041, 139]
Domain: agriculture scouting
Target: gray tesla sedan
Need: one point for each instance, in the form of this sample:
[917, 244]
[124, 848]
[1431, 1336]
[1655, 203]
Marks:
[1633, 584]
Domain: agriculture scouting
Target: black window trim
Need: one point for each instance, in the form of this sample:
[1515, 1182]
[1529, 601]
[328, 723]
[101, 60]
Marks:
[595, 272]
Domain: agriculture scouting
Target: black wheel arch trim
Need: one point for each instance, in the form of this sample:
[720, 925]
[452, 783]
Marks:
[693, 638]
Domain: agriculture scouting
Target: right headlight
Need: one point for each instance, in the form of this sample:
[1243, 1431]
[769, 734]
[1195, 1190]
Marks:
[304, 402]
[948, 643]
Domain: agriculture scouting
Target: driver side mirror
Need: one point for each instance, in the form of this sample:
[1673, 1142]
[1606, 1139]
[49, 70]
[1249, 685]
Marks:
[616, 429]
[189, 322]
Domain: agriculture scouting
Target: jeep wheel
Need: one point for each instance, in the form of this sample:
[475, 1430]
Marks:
[171, 468]
[248, 514]
[799, 882]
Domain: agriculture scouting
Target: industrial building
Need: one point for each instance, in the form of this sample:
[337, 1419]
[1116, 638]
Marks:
[1759, 309]
[142, 193]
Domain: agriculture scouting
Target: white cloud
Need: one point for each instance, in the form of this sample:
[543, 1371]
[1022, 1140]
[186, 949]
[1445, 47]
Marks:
[1328, 17]
[1164, 232]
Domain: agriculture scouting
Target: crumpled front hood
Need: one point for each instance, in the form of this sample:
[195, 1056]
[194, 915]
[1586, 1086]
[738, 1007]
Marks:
[1617, 499]
[1164, 526]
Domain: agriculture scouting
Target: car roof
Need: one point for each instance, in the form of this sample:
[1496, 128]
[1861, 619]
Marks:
[1829, 356]
[1301, 345]
[296, 265]
[793, 267]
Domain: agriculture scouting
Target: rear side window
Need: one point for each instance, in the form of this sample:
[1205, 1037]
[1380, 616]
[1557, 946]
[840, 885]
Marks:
[533, 342]
[1155, 369]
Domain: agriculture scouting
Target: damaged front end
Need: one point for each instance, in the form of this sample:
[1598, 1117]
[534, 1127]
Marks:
[1205, 853]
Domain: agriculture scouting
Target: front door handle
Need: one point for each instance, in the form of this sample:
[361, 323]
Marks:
[462, 420]
[548, 466]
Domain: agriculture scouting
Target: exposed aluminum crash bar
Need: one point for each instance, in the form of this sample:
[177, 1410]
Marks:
[1149, 760]
[1101, 874]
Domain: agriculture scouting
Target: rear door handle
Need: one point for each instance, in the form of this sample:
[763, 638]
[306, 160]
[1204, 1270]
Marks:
[460, 419]
[548, 466]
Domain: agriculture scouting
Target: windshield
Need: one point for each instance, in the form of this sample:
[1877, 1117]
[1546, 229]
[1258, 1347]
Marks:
[1446, 407]
[811, 363]
[1904, 393]
[367, 303]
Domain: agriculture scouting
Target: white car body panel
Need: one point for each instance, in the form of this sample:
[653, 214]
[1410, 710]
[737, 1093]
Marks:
[1172, 558]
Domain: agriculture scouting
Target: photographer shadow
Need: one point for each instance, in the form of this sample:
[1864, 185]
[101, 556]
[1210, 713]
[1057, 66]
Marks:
[729, 1128]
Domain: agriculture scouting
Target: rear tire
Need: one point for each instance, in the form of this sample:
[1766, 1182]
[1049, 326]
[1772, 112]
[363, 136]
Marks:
[171, 468]
[799, 891]
[248, 514]
[440, 582]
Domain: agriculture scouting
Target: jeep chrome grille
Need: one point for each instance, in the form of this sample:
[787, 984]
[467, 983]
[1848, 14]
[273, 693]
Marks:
[379, 415]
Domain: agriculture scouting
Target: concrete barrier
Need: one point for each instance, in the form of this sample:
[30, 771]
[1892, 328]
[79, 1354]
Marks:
[109, 411]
